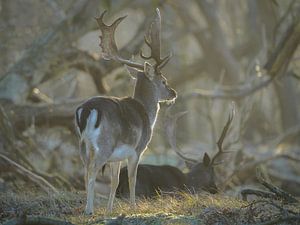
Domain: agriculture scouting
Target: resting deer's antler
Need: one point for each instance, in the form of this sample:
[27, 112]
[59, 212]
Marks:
[222, 137]
[153, 41]
[108, 43]
[170, 129]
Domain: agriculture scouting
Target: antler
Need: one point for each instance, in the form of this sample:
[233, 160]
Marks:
[108, 43]
[170, 128]
[222, 137]
[153, 41]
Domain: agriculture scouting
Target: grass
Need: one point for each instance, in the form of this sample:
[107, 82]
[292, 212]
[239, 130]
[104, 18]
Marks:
[181, 208]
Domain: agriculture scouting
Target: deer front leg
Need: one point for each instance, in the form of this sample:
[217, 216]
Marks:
[115, 173]
[132, 172]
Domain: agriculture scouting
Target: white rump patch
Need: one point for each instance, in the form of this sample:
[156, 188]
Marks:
[79, 111]
[91, 134]
[122, 152]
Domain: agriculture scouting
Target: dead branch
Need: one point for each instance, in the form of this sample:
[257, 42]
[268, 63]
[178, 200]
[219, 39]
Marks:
[216, 49]
[36, 220]
[280, 194]
[275, 65]
[98, 69]
[231, 92]
[260, 193]
[219, 43]
[40, 181]
[73, 57]
[281, 219]
[43, 114]
[284, 215]
[203, 64]
[285, 50]
[246, 168]
[32, 66]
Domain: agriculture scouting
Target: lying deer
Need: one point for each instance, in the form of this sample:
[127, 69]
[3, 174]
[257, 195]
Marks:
[115, 129]
[155, 179]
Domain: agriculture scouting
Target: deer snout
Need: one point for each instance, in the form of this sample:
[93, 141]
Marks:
[172, 95]
[213, 189]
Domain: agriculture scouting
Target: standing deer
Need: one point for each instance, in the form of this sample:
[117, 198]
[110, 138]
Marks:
[115, 129]
[153, 179]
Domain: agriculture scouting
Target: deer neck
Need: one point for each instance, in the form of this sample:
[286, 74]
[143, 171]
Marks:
[146, 93]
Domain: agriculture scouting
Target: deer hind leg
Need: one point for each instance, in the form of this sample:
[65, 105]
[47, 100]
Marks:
[115, 173]
[94, 164]
[90, 178]
[132, 172]
[84, 157]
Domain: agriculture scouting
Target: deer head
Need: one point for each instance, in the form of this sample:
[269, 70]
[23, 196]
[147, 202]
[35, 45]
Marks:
[148, 73]
[201, 175]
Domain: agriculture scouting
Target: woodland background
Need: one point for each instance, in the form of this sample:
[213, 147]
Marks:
[242, 51]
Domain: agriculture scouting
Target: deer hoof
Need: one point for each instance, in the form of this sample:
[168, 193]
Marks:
[88, 212]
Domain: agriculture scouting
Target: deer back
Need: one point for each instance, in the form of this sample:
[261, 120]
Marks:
[126, 116]
[151, 180]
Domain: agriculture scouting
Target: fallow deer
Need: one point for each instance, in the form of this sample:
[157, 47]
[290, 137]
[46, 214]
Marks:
[115, 129]
[153, 179]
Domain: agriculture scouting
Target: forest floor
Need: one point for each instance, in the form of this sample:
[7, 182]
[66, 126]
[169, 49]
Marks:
[181, 208]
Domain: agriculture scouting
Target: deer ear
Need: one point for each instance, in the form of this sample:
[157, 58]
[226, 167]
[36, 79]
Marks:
[149, 70]
[206, 160]
[132, 71]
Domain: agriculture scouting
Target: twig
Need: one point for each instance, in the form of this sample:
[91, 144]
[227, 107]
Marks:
[33, 177]
[264, 194]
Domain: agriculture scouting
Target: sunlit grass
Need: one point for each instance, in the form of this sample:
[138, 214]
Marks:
[178, 208]
[181, 208]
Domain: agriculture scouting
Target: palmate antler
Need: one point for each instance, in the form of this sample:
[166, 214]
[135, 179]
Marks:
[152, 39]
[108, 43]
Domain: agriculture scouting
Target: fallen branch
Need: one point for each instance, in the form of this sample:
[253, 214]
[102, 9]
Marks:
[44, 184]
[279, 220]
[280, 194]
[43, 114]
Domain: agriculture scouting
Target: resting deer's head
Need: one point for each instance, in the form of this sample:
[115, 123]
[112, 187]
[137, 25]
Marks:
[201, 175]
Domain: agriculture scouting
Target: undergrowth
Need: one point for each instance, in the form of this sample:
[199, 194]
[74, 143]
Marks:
[180, 208]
